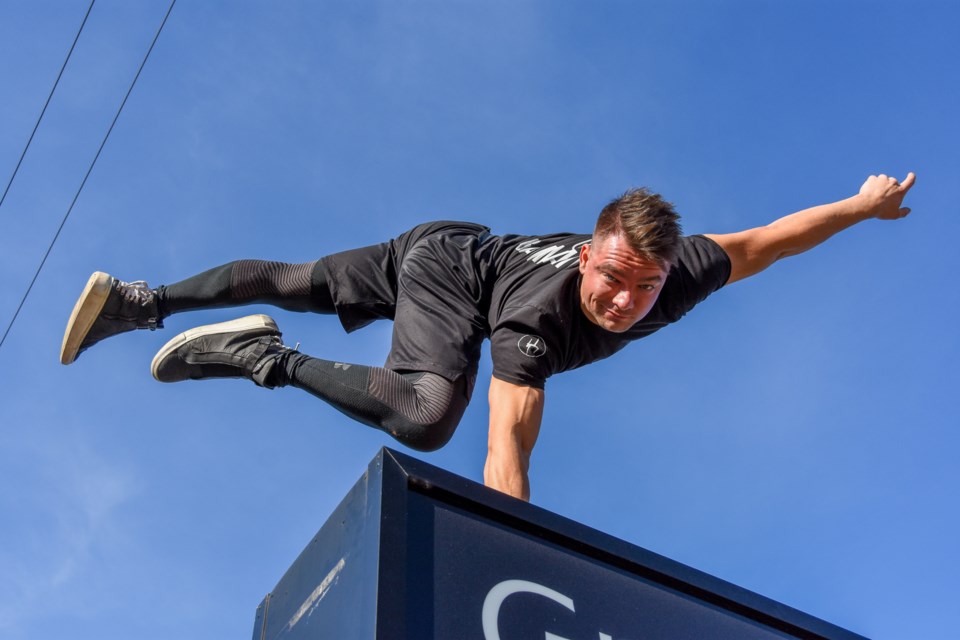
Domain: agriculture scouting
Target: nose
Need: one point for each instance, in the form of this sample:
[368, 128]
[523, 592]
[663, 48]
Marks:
[623, 300]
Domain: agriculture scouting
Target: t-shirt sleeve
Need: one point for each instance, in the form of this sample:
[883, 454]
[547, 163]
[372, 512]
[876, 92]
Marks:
[522, 355]
[702, 268]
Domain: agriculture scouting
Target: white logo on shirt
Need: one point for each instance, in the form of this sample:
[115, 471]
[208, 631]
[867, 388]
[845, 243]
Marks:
[557, 255]
[532, 346]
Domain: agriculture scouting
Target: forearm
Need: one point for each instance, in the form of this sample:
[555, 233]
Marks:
[803, 230]
[506, 471]
[515, 415]
[753, 250]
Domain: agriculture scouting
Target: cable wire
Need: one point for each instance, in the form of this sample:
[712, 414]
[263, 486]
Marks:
[89, 171]
[46, 104]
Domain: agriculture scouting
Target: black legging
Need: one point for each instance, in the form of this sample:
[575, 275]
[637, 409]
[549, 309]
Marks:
[420, 409]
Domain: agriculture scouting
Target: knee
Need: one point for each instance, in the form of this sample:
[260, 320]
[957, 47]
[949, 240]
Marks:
[440, 405]
[425, 437]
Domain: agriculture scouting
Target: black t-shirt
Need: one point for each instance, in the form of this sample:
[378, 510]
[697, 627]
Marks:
[537, 327]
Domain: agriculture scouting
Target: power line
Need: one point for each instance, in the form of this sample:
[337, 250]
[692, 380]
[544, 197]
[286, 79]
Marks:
[89, 171]
[46, 104]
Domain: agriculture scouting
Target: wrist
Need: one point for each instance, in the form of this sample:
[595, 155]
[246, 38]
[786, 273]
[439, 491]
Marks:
[863, 207]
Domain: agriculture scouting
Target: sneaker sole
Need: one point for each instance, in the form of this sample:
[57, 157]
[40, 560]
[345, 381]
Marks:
[248, 323]
[85, 313]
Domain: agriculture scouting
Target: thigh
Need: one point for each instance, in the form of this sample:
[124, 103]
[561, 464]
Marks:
[363, 284]
[439, 323]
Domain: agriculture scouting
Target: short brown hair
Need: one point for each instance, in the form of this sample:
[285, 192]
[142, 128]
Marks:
[648, 223]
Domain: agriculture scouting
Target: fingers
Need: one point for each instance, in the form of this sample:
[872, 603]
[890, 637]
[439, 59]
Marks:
[884, 194]
[908, 181]
[890, 180]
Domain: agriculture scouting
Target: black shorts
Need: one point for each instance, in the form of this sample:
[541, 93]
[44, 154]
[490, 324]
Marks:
[431, 282]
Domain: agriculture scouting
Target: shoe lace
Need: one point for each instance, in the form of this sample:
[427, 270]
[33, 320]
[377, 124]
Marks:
[140, 294]
[137, 291]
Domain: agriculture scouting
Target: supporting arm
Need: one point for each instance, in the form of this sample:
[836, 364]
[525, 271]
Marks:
[754, 250]
[515, 415]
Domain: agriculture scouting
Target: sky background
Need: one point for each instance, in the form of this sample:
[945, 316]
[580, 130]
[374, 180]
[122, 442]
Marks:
[796, 434]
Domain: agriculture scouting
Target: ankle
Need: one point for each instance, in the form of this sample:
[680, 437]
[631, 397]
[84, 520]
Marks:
[271, 371]
[160, 295]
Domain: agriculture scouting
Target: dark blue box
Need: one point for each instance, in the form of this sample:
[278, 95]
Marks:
[416, 553]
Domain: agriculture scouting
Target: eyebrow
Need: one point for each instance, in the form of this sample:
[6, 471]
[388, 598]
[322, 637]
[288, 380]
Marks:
[619, 272]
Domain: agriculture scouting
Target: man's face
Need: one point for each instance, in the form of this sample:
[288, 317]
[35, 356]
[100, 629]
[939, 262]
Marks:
[617, 287]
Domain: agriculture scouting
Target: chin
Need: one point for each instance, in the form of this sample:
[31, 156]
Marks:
[614, 326]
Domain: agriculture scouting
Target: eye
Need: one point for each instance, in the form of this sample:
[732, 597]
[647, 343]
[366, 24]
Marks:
[608, 277]
[648, 287]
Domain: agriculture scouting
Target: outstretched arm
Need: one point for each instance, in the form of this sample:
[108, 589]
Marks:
[515, 415]
[754, 250]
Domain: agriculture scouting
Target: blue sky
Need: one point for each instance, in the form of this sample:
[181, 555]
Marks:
[795, 435]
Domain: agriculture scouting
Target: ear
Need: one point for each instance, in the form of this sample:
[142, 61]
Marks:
[584, 257]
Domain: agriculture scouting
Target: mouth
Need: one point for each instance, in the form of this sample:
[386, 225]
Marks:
[613, 312]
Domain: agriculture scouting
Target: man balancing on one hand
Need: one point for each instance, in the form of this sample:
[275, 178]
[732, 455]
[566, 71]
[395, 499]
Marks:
[547, 303]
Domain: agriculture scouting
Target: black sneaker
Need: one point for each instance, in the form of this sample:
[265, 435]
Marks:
[107, 307]
[245, 348]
